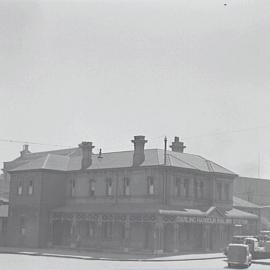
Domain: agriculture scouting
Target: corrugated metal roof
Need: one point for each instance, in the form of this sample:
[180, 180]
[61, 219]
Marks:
[236, 213]
[107, 208]
[238, 202]
[152, 208]
[70, 160]
[183, 212]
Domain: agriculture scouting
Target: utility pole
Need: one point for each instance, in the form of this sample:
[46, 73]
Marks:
[259, 165]
[165, 172]
[165, 150]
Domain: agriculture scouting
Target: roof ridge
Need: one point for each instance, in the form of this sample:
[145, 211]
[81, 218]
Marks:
[209, 165]
[221, 166]
[45, 162]
[247, 177]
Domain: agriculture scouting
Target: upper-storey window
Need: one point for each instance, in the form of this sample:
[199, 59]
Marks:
[91, 187]
[178, 187]
[186, 187]
[73, 187]
[150, 185]
[196, 185]
[30, 187]
[227, 191]
[20, 188]
[108, 187]
[201, 189]
[219, 191]
[126, 186]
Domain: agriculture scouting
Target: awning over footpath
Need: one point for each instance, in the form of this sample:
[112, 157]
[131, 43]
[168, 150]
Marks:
[109, 208]
[186, 215]
[212, 216]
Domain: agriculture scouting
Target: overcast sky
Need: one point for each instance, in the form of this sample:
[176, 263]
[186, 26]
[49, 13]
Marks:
[104, 71]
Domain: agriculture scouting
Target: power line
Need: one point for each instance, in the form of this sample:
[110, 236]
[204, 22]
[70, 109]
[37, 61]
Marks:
[228, 132]
[152, 139]
[36, 143]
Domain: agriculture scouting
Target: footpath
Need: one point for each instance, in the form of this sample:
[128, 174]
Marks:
[106, 256]
[88, 255]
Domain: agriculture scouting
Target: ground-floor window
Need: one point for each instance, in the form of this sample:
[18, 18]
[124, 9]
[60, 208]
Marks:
[107, 230]
[22, 225]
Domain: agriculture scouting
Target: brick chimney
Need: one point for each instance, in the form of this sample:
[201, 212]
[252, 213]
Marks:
[25, 150]
[86, 149]
[138, 156]
[177, 146]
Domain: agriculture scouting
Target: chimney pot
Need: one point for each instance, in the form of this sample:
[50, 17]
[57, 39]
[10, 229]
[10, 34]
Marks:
[177, 146]
[138, 155]
[86, 149]
[25, 150]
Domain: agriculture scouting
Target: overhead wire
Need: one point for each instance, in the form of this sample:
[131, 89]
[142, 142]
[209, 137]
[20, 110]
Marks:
[151, 138]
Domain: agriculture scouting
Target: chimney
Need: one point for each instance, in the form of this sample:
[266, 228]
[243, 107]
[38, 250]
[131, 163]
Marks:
[25, 150]
[86, 149]
[138, 156]
[177, 146]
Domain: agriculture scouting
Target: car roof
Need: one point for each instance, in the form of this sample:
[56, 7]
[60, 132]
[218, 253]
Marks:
[238, 245]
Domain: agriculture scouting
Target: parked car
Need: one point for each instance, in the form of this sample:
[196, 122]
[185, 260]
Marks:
[240, 239]
[238, 255]
[253, 244]
[237, 239]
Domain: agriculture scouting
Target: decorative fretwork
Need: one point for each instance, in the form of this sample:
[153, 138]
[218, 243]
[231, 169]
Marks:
[148, 218]
[107, 217]
[120, 218]
[168, 219]
[81, 216]
[135, 218]
[67, 216]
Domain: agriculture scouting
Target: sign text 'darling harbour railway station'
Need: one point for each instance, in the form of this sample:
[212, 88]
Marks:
[210, 220]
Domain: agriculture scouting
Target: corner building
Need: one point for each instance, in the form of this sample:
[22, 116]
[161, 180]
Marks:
[147, 200]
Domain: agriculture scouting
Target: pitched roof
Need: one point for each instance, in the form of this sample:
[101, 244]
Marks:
[70, 160]
[236, 213]
[238, 202]
[252, 178]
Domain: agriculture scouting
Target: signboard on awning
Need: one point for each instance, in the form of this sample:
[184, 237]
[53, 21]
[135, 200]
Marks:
[210, 220]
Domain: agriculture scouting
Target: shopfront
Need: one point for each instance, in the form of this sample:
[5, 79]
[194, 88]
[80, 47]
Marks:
[165, 231]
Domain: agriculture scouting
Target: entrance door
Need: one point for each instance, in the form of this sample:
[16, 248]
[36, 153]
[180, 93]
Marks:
[57, 233]
[148, 239]
[197, 236]
[168, 237]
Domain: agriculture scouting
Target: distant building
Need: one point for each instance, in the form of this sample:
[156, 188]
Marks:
[4, 188]
[256, 191]
[253, 208]
[147, 200]
[3, 210]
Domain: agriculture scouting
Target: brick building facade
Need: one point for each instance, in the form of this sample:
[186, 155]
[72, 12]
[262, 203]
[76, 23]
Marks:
[148, 200]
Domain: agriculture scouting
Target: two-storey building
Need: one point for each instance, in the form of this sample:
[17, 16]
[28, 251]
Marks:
[148, 200]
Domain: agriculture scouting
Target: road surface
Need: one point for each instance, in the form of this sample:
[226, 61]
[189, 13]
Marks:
[21, 262]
